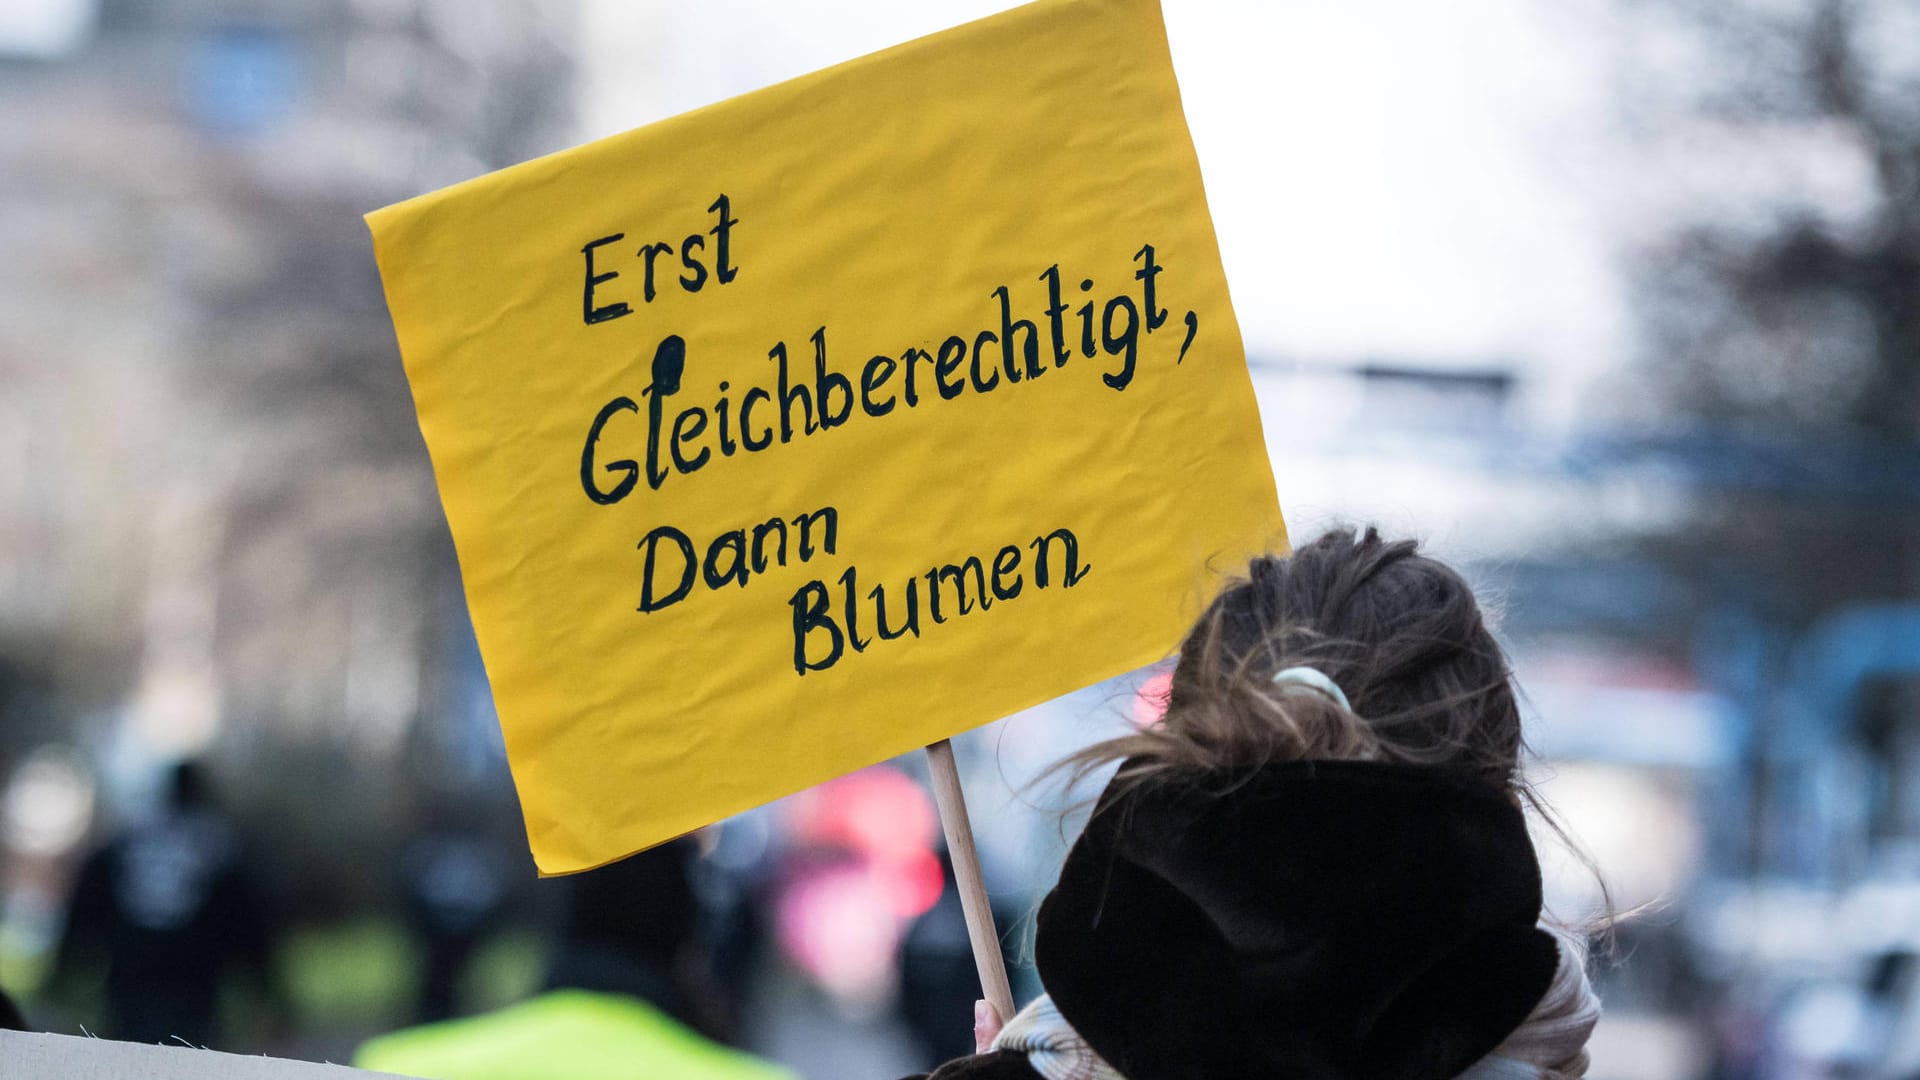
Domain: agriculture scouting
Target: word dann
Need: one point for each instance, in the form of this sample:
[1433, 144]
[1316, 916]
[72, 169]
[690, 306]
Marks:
[953, 590]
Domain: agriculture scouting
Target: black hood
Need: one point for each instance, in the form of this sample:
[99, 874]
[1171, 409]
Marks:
[1321, 919]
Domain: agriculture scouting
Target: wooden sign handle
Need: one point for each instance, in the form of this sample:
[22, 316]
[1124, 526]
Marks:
[966, 872]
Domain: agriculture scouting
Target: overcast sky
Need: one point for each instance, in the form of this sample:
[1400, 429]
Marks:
[1390, 178]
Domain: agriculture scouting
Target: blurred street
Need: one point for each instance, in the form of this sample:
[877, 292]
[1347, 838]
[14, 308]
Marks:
[1613, 303]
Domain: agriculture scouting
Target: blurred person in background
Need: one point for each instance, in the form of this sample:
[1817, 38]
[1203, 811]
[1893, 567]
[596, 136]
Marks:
[628, 995]
[455, 882]
[168, 908]
[938, 980]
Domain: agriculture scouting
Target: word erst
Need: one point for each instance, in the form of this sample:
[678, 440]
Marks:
[594, 311]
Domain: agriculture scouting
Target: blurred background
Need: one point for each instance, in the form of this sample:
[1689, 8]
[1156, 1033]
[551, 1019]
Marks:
[1616, 303]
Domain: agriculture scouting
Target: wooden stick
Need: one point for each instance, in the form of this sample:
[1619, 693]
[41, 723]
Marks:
[966, 872]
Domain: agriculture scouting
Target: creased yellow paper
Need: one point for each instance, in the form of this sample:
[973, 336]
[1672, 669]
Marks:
[799, 431]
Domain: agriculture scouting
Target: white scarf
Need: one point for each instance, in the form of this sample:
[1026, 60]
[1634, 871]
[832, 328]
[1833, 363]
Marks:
[1549, 1045]
[1053, 1048]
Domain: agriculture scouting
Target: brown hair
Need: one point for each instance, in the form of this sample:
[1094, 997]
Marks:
[1398, 632]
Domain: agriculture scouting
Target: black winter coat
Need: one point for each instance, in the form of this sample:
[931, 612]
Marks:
[1314, 921]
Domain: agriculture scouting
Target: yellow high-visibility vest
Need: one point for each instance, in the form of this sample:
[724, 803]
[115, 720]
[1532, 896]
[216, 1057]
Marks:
[563, 1035]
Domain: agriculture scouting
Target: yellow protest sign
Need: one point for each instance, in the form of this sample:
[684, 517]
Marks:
[806, 429]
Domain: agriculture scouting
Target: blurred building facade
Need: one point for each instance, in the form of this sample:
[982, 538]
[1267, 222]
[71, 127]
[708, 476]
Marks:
[218, 531]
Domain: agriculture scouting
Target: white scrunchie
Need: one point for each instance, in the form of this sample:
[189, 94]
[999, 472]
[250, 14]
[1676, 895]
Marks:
[1315, 680]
